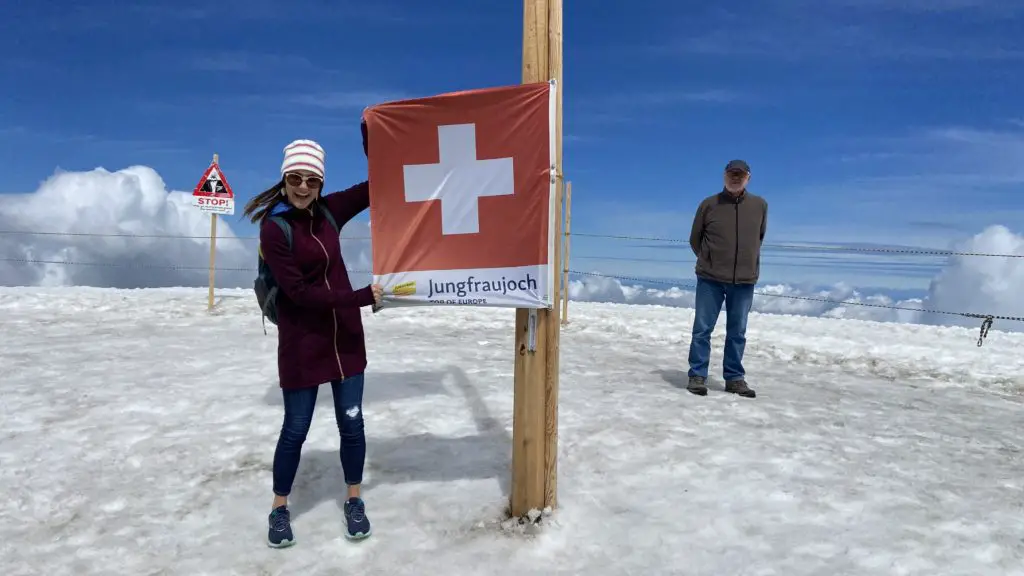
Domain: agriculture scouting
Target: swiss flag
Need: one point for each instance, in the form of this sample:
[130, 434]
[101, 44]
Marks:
[461, 180]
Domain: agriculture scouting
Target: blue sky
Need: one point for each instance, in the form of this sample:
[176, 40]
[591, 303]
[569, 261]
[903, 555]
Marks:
[867, 121]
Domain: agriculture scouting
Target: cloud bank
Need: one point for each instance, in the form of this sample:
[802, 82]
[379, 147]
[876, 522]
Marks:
[976, 284]
[95, 225]
[124, 229]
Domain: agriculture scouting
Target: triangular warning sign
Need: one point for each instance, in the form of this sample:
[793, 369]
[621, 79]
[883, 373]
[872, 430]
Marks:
[213, 183]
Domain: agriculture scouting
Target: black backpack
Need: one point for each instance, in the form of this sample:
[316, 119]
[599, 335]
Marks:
[265, 285]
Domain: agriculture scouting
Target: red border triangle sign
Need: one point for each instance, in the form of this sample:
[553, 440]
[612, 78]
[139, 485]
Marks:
[213, 193]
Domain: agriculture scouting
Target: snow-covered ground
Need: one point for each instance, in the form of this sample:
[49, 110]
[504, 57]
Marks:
[138, 434]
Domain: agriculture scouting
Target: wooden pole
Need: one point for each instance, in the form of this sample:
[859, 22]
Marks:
[213, 252]
[554, 328]
[535, 403]
[565, 258]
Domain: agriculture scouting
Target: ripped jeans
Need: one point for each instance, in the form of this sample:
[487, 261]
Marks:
[298, 415]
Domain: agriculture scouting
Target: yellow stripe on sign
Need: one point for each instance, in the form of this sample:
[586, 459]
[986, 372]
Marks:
[404, 289]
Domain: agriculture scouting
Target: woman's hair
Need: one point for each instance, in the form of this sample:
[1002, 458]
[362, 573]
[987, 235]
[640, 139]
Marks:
[261, 205]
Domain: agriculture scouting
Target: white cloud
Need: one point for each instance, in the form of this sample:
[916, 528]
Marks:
[974, 284]
[243, 61]
[987, 285]
[928, 6]
[123, 205]
[773, 299]
[790, 30]
[358, 99]
[135, 201]
[670, 97]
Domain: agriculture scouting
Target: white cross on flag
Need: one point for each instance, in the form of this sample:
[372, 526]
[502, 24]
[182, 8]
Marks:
[462, 197]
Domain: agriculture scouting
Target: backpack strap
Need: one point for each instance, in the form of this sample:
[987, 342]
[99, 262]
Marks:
[283, 225]
[272, 293]
[330, 217]
[284, 228]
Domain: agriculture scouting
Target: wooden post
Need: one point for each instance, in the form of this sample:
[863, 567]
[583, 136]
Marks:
[555, 333]
[213, 252]
[565, 258]
[535, 403]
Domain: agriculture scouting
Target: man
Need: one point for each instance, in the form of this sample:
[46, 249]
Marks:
[726, 238]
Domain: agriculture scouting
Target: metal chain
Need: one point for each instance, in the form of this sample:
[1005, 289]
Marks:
[985, 325]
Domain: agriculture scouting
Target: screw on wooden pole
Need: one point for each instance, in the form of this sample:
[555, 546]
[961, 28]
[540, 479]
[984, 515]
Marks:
[535, 403]
[213, 252]
[565, 253]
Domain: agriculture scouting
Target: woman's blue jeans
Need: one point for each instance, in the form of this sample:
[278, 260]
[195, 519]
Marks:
[298, 415]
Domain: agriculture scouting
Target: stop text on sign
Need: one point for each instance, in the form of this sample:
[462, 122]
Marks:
[214, 204]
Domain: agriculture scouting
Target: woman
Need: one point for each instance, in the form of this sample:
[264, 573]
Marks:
[320, 331]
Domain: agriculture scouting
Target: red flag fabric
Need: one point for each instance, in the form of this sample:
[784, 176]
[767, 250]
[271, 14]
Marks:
[462, 197]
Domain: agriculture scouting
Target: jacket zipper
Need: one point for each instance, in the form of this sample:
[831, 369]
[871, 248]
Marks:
[736, 256]
[334, 314]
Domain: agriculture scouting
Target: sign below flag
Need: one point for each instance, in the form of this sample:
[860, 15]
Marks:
[213, 193]
[462, 197]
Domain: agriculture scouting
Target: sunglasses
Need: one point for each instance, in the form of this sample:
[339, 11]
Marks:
[297, 179]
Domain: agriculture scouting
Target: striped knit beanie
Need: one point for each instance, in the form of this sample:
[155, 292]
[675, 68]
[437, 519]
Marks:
[303, 155]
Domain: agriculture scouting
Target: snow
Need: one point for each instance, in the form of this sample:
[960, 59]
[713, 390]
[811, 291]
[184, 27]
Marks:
[138, 435]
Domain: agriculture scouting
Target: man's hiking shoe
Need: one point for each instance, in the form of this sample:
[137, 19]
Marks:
[355, 518]
[740, 387]
[697, 385]
[280, 535]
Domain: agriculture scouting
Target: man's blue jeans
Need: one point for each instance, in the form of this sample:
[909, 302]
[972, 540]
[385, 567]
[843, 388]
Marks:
[298, 415]
[738, 299]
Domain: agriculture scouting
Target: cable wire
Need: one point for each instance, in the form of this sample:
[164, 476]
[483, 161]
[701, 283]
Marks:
[987, 319]
[810, 247]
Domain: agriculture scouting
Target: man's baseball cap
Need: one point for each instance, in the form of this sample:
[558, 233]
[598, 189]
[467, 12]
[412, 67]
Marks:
[737, 165]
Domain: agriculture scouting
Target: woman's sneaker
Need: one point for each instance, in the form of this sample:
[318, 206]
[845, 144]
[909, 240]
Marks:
[355, 518]
[280, 534]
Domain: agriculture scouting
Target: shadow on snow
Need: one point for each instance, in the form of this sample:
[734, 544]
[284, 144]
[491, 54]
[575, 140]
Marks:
[419, 458]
